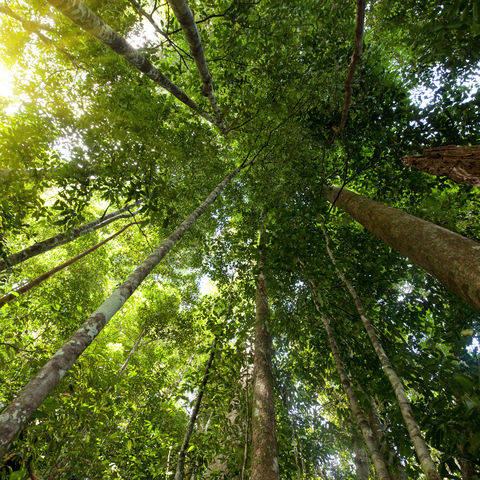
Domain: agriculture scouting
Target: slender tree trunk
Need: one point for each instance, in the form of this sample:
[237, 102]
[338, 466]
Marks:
[184, 15]
[15, 416]
[452, 259]
[378, 461]
[63, 238]
[357, 53]
[179, 474]
[37, 281]
[423, 454]
[362, 464]
[81, 15]
[397, 472]
[132, 351]
[461, 164]
[264, 437]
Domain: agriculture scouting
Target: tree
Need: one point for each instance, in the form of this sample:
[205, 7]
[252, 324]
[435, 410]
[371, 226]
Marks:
[303, 97]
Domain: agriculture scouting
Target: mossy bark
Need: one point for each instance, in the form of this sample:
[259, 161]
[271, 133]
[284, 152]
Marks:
[16, 415]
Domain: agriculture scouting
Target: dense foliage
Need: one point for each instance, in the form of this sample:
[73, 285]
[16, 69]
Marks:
[83, 133]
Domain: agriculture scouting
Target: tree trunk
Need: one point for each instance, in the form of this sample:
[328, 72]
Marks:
[184, 15]
[378, 461]
[461, 164]
[423, 454]
[81, 15]
[63, 238]
[15, 416]
[132, 351]
[397, 472]
[37, 281]
[264, 437]
[179, 474]
[452, 259]
[362, 464]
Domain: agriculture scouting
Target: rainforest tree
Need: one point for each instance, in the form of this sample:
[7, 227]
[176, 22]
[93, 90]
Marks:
[237, 272]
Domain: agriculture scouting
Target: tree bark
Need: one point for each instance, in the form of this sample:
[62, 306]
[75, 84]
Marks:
[397, 472]
[63, 238]
[264, 438]
[184, 15]
[423, 454]
[452, 259]
[16, 415]
[37, 281]
[82, 16]
[378, 461]
[179, 474]
[132, 351]
[357, 53]
[461, 164]
[362, 464]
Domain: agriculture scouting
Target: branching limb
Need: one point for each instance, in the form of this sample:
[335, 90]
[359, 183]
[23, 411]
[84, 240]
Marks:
[184, 15]
[357, 52]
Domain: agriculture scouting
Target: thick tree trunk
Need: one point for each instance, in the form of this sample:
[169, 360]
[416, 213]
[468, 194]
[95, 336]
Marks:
[264, 437]
[452, 259]
[179, 474]
[362, 464]
[184, 15]
[461, 164]
[423, 454]
[37, 281]
[81, 15]
[63, 238]
[378, 461]
[15, 416]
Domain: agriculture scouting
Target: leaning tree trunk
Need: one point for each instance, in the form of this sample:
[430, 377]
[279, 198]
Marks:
[378, 461]
[37, 281]
[16, 415]
[179, 474]
[423, 454]
[81, 15]
[184, 15]
[264, 437]
[452, 259]
[461, 164]
[63, 238]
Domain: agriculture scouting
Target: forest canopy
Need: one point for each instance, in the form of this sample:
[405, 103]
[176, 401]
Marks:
[240, 239]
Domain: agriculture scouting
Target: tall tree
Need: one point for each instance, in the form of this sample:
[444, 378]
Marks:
[265, 465]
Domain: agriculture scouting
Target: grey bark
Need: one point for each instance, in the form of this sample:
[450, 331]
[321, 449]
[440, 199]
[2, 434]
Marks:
[451, 258]
[16, 415]
[82, 16]
[184, 15]
[397, 472]
[63, 238]
[362, 464]
[423, 453]
[132, 351]
[37, 281]
[378, 461]
[180, 471]
[264, 438]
